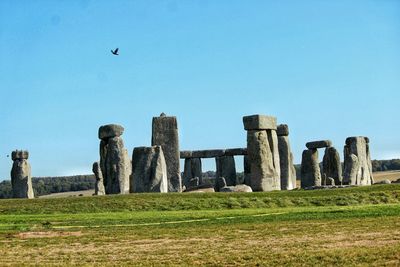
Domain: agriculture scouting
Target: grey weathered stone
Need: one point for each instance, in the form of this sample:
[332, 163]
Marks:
[210, 153]
[310, 171]
[330, 181]
[357, 162]
[263, 153]
[149, 170]
[115, 164]
[226, 168]
[194, 182]
[185, 154]
[236, 152]
[386, 181]
[288, 172]
[236, 189]
[331, 166]
[201, 189]
[247, 170]
[21, 179]
[319, 144]
[99, 185]
[19, 154]
[165, 134]
[192, 169]
[110, 130]
[282, 130]
[259, 122]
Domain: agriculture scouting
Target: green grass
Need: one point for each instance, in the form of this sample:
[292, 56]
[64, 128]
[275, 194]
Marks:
[344, 227]
[379, 194]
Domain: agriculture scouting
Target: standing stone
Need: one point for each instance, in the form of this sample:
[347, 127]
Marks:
[247, 170]
[21, 180]
[99, 185]
[114, 160]
[226, 168]
[192, 169]
[165, 134]
[357, 162]
[149, 170]
[331, 166]
[310, 171]
[288, 172]
[263, 152]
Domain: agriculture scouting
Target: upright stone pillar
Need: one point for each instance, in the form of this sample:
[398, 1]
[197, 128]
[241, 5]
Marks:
[288, 172]
[310, 171]
[263, 153]
[114, 160]
[357, 162]
[247, 170]
[21, 180]
[331, 166]
[165, 134]
[99, 185]
[192, 169]
[149, 170]
[226, 168]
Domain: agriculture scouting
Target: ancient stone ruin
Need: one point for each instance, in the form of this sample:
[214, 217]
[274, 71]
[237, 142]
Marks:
[263, 152]
[225, 163]
[165, 134]
[357, 162]
[288, 172]
[310, 171]
[149, 170]
[331, 167]
[99, 185]
[114, 160]
[223, 187]
[21, 180]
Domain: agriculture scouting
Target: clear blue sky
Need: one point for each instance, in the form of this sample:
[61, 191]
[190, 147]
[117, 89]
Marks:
[329, 69]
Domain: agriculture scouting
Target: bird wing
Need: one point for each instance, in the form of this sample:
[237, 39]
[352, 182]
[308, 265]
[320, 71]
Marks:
[116, 50]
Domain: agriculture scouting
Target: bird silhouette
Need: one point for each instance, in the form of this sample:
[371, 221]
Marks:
[115, 52]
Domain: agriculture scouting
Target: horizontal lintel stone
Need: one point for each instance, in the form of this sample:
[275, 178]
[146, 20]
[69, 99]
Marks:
[259, 122]
[319, 144]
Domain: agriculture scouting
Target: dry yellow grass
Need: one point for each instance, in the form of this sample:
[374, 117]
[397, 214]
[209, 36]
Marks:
[390, 175]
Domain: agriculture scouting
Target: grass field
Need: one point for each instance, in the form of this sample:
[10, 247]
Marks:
[345, 227]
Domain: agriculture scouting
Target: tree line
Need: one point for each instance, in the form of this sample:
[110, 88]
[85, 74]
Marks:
[49, 185]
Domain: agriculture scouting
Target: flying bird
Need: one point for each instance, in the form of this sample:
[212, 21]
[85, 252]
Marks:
[115, 52]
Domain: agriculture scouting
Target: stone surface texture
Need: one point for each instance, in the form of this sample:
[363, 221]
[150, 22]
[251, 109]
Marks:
[331, 166]
[357, 162]
[192, 169]
[226, 168]
[288, 172]
[259, 122]
[319, 144]
[110, 130]
[282, 130]
[263, 155]
[114, 162]
[149, 170]
[310, 171]
[99, 189]
[21, 179]
[165, 134]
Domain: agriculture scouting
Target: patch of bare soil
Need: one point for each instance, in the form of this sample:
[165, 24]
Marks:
[47, 234]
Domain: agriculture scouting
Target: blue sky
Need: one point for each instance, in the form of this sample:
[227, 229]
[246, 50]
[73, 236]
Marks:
[329, 69]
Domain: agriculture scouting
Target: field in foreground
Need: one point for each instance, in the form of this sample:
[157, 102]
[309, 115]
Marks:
[354, 226]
